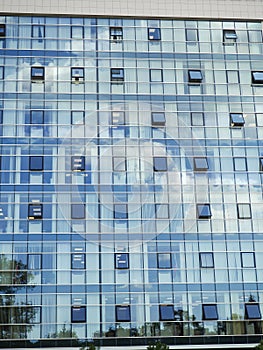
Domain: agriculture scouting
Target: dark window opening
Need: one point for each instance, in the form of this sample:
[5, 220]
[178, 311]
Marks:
[77, 75]
[158, 119]
[78, 261]
[37, 117]
[78, 314]
[252, 312]
[78, 211]
[123, 313]
[35, 211]
[200, 164]
[166, 312]
[117, 74]
[116, 33]
[160, 164]
[209, 312]
[229, 36]
[37, 74]
[206, 260]
[257, 77]
[77, 163]
[2, 30]
[154, 34]
[261, 164]
[203, 211]
[121, 260]
[36, 163]
[237, 120]
[195, 76]
[191, 35]
[164, 261]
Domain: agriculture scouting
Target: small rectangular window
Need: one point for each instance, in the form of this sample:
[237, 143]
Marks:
[38, 31]
[160, 164]
[209, 312]
[2, 30]
[206, 260]
[36, 163]
[78, 211]
[34, 314]
[78, 314]
[244, 211]
[77, 75]
[248, 259]
[261, 164]
[1, 72]
[240, 164]
[37, 117]
[191, 35]
[34, 261]
[121, 260]
[229, 36]
[162, 211]
[78, 260]
[77, 117]
[203, 211]
[195, 76]
[255, 36]
[156, 75]
[119, 164]
[117, 74]
[197, 119]
[116, 33]
[154, 34]
[117, 118]
[120, 211]
[252, 311]
[77, 32]
[158, 119]
[123, 313]
[237, 120]
[166, 312]
[37, 74]
[200, 164]
[257, 77]
[164, 261]
[35, 211]
[77, 163]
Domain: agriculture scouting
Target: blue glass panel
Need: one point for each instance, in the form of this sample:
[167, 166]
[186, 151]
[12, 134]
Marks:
[121, 261]
[123, 313]
[154, 34]
[78, 211]
[78, 314]
[36, 163]
[252, 311]
[203, 211]
[166, 312]
[160, 164]
[210, 312]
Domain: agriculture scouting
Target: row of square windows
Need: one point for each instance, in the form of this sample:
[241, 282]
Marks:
[120, 211]
[154, 34]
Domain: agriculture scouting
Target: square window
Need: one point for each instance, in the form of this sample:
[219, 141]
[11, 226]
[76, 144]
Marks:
[154, 34]
[200, 164]
[119, 164]
[2, 30]
[197, 118]
[210, 312]
[78, 260]
[77, 32]
[164, 261]
[195, 76]
[78, 211]
[77, 117]
[77, 75]
[121, 260]
[160, 164]
[158, 119]
[248, 259]
[191, 35]
[252, 311]
[34, 261]
[1, 72]
[240, 164]
[117, 118]
[77, 163]
[162, 211]
[78, 314]
[38, 31]
[120, 211]
[166, 312]
[203, 211]
[156, 75]
[36, 163]
[117, 74]
[37, 74]
[244, 211]
[37, 117]
[123, 313]
[229, 36]
[257, 77]
[206, 260]
[116, 33]
[236, 120]
[35, 211]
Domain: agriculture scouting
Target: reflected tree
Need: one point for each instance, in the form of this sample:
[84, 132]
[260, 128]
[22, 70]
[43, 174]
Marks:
[64, 333]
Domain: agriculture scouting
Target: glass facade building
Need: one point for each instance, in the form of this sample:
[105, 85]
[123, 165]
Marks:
[131, 181]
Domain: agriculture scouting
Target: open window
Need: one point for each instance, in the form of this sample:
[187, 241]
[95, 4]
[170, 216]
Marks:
[261, 164]
[197, 119]
[117, 117]
[2, 69]
[119, 164]
[257, 78]
[77, 163]
[191, 35]
[195, 76]
[78, 314]
[38, 32]
[206, 260]
[35, 211]
[120, 211]
[77, 32]
[240, 164]
[121, 260]
[252, 311]
[158, 119]
[154, 34]
[244, 211]
[37, 74]
[156, 75]
[36, 117]
[203, 211]
[229, 36]
[123, 313]
[116, 34]
[200, 164]
[77, 75]
[209, 312]
[237, 120]
[36, 163]
[164, 261]
[160, 164]
[117, 75]
[78, 260]
[78, 211]
[248, 259]
[166, 312]
[77, 117]
[2, 30]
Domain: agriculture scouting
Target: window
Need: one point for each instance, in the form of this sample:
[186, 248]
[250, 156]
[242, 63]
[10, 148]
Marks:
[195, 76]
[38, 31]
[210, 312]
[191, 35]
[77, 163]
[229, 36]
[240, 164]
[119, 164]
[34, 261]
[1, 72]
[236, 120]
[77, 32]
[37, 74]
[121, 260]
[36, 117]
[78, 211]
[34, 211]
[200, 164]
[36, 163]
[78, 260]
[206, 260]
[77, 117]
[78, 314]
[123, 313]
[248, 259]
[261, 164]
[120, 211]
[164, 261]
[156, 75]
[158, 119]
[160, 164]
[166, 312]
[154, 34]
[197, 118]
[77, 75]
[117, 74]
[116, 33]
[244, 211]
[257, 77]
[252, 311]
[33, 314]
[117, 118]
[162, 211]
[2, 30]
[203, 211]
